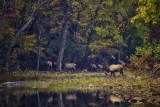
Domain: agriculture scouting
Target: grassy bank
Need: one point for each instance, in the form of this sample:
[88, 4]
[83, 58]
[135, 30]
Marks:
[85, 80]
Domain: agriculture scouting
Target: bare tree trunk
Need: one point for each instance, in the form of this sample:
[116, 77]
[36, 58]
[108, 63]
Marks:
[3, 18]
[64, 36]
[87, 51]
[60, 101]
[119, 53]
[61, 52]
[38, 98]
[38, 42]
[38, 56]
[20, 31]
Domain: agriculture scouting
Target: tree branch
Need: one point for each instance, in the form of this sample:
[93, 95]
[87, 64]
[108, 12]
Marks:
[20, 31]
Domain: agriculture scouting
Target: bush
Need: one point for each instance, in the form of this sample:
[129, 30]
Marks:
[145, 57]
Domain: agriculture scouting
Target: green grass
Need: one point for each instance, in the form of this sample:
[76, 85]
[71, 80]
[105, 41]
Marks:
[132, 83]
[84, 81]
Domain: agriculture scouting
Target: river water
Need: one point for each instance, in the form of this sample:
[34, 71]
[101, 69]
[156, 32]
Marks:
[20, 97]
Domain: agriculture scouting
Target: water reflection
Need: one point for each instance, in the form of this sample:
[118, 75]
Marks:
[10, 98]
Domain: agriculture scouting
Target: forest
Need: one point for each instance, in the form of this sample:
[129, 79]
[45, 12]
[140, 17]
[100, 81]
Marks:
[83, 32]
[68, 53]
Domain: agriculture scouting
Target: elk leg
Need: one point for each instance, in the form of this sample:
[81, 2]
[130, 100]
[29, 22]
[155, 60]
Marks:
[105, 73]
[114, 74]
[121, 72]
[111, 74]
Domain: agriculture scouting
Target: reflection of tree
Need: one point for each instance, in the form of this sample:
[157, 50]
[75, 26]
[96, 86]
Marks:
[83, 99]
[38, 98]
[101, 98]
[71, 99]
[80, 103]
[9, 100]
[60, 100]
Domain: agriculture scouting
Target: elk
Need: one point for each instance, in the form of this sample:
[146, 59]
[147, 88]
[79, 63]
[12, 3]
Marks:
[114, 68]
[50, 64]
[100, 66]
[70, 66]
[93, 67]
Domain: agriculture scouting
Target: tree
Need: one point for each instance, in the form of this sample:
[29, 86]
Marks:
[21, 30]
[64, 35]
[111, 28]
[147, 15]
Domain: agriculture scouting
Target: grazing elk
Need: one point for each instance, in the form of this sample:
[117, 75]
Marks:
[114, 68]
[50, 64]
[70, 66]
[93, 67]
[54, 66]
[100, 67]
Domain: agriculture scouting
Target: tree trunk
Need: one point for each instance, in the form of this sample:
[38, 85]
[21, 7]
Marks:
[3, 18]
[87, 51]
[38, 42]
[64, 36]
[20, 31]
[60, 100]
[38, 56]
[61, 52]
[119, 53]
[38, 100]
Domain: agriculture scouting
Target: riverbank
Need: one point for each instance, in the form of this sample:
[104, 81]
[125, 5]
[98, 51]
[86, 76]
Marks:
[83, 80]
[133, 84]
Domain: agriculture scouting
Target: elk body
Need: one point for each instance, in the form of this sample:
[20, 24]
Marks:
[93, 67]
[50, 64]
[70, 66]
[100, 66]
[114, 68]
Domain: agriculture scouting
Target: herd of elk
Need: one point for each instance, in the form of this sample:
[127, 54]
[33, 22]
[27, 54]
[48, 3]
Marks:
[93, 67]
[51, 65]
[112, 68]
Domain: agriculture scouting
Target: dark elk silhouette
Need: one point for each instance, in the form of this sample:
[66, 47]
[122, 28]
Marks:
[93, 67]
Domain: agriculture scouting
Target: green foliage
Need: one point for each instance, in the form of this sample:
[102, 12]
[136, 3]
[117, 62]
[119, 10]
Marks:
[94, 28]
[97, 45]
[143, 57]
[142, 32]
[148, 11]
